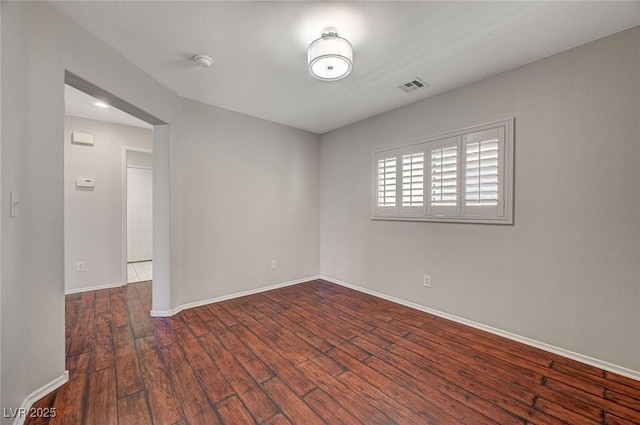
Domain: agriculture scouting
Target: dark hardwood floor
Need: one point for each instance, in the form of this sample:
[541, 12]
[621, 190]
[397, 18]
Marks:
[314, 353]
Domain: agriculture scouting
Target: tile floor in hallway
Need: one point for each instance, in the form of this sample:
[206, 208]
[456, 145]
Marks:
[140, 271]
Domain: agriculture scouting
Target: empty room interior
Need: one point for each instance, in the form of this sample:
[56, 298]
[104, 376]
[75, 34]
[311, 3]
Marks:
[239, 212]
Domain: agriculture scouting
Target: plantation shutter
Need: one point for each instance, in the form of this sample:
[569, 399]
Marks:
[463, 176]
[484, 173]
[444, 177]
[412, 200]
[387, 173]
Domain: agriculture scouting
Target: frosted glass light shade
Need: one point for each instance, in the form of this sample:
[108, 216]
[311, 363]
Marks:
[330, 57]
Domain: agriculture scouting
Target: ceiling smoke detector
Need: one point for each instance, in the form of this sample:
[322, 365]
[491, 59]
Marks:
[203, 60]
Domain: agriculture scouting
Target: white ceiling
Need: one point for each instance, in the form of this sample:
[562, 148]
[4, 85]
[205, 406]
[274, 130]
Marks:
[80, 104]
[259, 48]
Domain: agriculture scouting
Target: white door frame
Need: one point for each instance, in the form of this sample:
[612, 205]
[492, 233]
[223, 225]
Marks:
[123, 197]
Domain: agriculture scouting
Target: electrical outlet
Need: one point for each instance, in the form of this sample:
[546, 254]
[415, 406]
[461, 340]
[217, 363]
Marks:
[81, 266]
[427, 281]
[274, 264]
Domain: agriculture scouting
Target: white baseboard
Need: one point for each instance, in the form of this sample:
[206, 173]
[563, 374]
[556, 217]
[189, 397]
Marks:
[94, 288]
[169, 313]
[38, 394]
[620, 370]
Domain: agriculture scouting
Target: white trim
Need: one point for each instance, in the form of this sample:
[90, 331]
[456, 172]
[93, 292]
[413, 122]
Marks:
[445, 135]
[94, 288]
[465, 220]
[620, 370]
[38, 394]
[169, 313]
[162, 313]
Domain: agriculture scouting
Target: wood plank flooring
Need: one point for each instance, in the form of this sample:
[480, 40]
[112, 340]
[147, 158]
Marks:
[314, 353]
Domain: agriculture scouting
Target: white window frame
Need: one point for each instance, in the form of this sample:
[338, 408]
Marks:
[498, 213]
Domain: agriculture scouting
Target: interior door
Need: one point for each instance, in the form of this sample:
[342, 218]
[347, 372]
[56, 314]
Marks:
[139, 214]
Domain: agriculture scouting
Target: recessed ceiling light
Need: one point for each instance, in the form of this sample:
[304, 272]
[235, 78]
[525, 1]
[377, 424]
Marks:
[101, 105]
[330, 57]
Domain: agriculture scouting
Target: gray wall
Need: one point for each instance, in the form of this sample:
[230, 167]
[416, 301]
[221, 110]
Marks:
[32, 255]
[93, 219]
[567, 272]
[41, 43]
[253, 190]
[237, 237]
[3, 203]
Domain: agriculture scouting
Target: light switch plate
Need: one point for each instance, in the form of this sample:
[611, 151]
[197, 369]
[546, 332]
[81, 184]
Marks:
[13, 201]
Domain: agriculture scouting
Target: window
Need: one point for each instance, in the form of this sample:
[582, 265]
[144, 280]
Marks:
[463, 176]
[386, 182]
[413, 180]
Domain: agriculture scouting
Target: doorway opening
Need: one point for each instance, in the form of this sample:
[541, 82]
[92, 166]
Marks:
[100, 191]
[96, 135]
[139, 214]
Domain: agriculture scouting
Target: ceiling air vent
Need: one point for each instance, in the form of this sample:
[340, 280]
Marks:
[413, 85]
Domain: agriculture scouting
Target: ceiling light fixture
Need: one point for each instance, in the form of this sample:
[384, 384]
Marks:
[330, 57]
[101, 105]
[203, 60]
